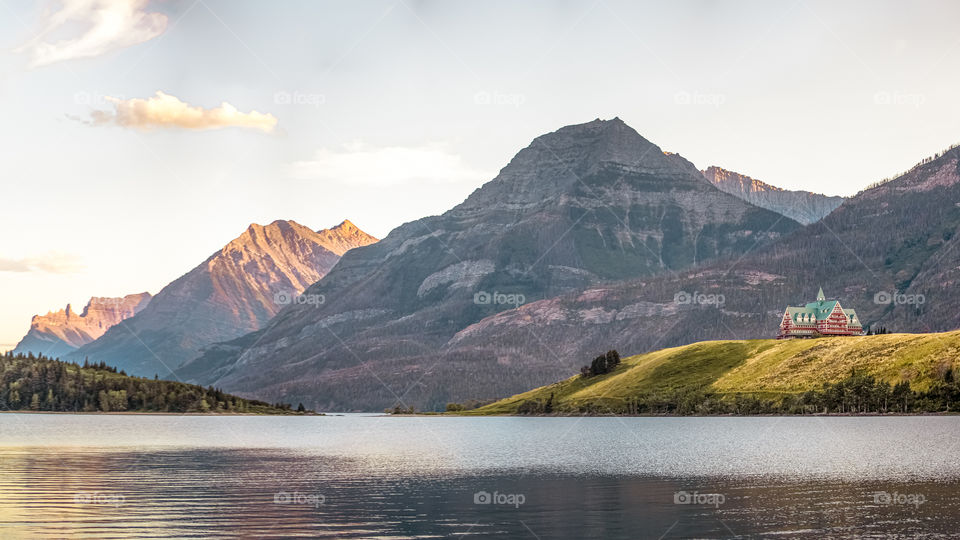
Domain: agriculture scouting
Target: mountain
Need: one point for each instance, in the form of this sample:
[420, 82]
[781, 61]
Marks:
[890, 252]
[756, 376]
[802, 206]
[586, 204]
[235, 291]
[58, 333]
[344, 237]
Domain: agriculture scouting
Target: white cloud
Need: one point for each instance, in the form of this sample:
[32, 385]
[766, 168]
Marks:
[54, 263]
[391, 165]
[103, 26]
[166, 111]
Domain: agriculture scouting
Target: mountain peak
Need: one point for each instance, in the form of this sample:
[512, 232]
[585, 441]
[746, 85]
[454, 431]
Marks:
[277, 224]
[598, 141]
[344, 237]
[598, 132]
[559, 161]
[345, 225]
[259, 238]
[60, 332]
[271, 232]
[599, 123]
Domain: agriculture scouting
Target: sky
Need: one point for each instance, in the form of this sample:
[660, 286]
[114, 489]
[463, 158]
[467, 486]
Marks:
[140, 137]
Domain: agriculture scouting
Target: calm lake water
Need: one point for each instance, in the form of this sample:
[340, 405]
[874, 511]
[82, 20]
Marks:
[98, 476]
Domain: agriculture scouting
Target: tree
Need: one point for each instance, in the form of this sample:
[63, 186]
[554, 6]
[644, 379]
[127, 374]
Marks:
[613, 359]
[529, 407]
[901, 394]
[605, 363]
[104, 401]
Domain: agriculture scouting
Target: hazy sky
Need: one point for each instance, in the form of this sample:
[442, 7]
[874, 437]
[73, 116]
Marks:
[137, 138]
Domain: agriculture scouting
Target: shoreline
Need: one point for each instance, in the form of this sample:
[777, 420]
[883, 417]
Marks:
[461, 415]
[152, 413]
[820, 415]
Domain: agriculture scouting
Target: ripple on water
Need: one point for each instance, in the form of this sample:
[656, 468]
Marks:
[414, 477]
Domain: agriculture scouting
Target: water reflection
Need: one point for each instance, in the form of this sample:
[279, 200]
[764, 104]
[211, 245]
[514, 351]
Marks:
[546, 478]
[258, 493]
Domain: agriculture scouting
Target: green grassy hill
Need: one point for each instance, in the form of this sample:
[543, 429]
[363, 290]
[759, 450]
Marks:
[751, 376]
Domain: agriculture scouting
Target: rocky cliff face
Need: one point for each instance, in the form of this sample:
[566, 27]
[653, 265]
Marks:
[802, 206]
[580, 206]
[235, 291]
[61, 332]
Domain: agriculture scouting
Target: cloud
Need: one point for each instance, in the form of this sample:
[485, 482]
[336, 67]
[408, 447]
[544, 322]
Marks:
[53, 263]
[166, 111]
[102, 26]
[391, 165]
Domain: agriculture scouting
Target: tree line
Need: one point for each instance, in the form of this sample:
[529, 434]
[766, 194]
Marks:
[38, 383]
[923, 162]
[858, 393]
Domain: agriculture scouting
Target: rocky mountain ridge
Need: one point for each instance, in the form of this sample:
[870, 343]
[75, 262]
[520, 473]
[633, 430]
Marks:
[60, 332]
[802, 206]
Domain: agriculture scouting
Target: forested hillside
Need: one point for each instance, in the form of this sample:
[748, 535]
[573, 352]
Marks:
[42, 384]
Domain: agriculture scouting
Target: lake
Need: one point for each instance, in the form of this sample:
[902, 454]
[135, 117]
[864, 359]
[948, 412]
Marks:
[363, 476]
